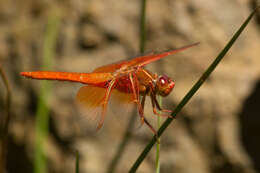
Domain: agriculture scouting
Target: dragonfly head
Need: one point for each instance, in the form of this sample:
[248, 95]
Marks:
[164, 85]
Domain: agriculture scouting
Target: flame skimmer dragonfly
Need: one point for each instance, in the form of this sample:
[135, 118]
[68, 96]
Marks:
[127, 77]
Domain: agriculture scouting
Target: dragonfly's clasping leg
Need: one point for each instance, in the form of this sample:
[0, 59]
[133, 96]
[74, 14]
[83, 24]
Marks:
[105, 102]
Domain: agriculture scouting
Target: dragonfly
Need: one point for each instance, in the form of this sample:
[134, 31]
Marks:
[128, 77]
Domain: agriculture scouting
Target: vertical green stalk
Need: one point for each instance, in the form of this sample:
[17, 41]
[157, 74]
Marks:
[157, 161]
[42, 112]
[142, 26]
[127, 135]
[77, 162]
[5, 123]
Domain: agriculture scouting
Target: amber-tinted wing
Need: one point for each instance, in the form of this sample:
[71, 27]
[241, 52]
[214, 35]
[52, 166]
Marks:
[144, 60]
[110, 67]
[140, 61]
[89, 99]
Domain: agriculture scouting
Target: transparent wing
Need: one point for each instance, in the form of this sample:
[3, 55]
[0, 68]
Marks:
[110, 67]
[140, 61]
[89, 99]
[144, 60]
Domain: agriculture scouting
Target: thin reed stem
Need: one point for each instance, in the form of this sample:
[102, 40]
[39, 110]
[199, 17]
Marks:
[192, 91]
[157, 160]
[127, 134]
[77, 162]
[42, 113]
[6, 120]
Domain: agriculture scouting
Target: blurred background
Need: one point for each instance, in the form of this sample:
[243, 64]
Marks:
[217, 131]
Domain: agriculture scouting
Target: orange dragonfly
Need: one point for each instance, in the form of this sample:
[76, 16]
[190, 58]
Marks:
[128, 77]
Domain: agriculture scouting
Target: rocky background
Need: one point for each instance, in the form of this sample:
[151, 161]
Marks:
[218, 130]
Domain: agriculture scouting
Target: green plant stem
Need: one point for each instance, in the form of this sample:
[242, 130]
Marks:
[127, 135]
[5, 125]
[41, 129]
[77, 162]
[42, 113]
[157, 161]
[142, 26]
[193, 90]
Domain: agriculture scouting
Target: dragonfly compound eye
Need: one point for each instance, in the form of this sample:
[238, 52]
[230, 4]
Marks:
[164, 85]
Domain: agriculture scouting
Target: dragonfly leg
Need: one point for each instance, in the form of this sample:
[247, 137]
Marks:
[133, 78]
[155, 105]
[142, 109]
[143, 101]
[150, 126]
[159, 107]
[135, 89]
[134, 86]
[146, 122]
[105, 102]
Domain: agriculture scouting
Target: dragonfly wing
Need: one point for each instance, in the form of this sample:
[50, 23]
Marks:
[144, 60]
[89, 99]
[122, 97]
[139, 61]
[121, 106]
[110, 67]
